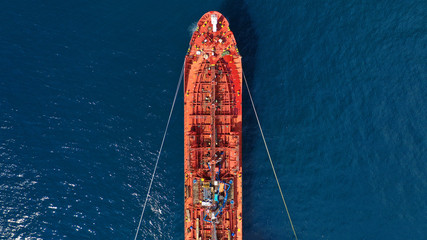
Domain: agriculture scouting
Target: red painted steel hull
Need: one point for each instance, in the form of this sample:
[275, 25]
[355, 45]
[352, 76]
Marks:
[213, 132]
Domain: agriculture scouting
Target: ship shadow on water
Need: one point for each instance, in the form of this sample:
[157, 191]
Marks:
[247, 41]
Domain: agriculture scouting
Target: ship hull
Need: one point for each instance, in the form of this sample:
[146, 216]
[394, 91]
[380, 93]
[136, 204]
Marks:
[213, 132]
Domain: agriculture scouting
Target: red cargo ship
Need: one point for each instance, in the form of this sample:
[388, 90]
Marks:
[213, 132]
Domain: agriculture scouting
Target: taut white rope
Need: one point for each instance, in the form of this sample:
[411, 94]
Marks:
[269, 157]
[160, 151]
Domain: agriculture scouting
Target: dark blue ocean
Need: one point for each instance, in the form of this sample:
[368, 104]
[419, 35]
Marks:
[340, 88]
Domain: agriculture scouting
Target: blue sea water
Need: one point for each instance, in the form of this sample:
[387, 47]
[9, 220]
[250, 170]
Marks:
[340, 88]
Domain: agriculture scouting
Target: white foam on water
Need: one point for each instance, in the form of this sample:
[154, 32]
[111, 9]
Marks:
[192, 28]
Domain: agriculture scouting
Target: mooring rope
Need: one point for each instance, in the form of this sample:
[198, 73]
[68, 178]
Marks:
[160, 151]
[269, 157]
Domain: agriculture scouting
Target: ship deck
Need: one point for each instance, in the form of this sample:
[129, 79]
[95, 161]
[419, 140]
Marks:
[213, 132]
